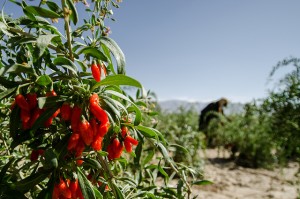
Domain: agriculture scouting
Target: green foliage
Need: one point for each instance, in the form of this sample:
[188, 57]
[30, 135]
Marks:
[181, 130]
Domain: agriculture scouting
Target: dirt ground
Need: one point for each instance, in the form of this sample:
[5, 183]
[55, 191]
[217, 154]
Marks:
[234, 182]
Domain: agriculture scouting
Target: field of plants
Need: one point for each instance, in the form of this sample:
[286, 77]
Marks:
[69, 128]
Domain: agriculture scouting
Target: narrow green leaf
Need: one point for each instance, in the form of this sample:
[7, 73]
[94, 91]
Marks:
[148, 157]
[138, 114]
[94, 52]
[118, 80]
[65, 62]
[29, 182]
[7, 92]
[147, 131]
[39, 11]
[98, 193]
[92, 162]
[74, 14]
[54, 7]
[85, 185]
[16, 68]
[118, 191]
[116, 51]
[180, 147]
[202, 182]
[5, 168]
[50, 102]
[44, 80]
[42, 43]
[43, 117]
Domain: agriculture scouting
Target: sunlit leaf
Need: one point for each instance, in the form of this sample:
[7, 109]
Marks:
[66, 63]
[74, 14]
[93, 52]
[116, 51]
[118, 80]
[39, 11]
[44, 80]
[85, 185]
[42, 43]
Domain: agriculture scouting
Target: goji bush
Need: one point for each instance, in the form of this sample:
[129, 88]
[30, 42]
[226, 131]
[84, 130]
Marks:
[69, 129]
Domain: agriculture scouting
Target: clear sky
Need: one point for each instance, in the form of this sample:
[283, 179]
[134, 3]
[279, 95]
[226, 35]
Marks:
[203, 50]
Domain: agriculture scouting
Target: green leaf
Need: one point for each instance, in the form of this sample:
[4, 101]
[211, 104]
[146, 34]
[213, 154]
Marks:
[74, 14]
[202, 182]
[16, 68]
[42, 12]
[98, 193]
[118, 80]
[92, 162]
[138, 114]
[94, 52]
[8, 84]
[118, 191]
[50, 102]
[180, 147]
[50, 159]
[44, 80]
[149, 157]
[29, 182]
[85, 185]
[43, 117]
[66, 63]
[147, 131]
[7, 92]
[116, 51]
[54, 7]
[42, 43]
[5, 168]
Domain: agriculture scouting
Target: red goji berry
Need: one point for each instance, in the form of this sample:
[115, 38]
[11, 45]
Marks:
[32, 100]
[34, 155]
[117, 148]
[73, 140]
[73, 188]
[79, 193]
[94, 98]
[94, 126]
[132, 140]
[63, 189]
[25, 115]
[51, 93]
[97, 143]
[96, 72]
[99, 113]
[66, 111]
[79, 148]
[103, 129]
[128, 146]
[86, 132]
[75, 117]
[55, 193]
[79, 162]
[35, 115]
[21, 102]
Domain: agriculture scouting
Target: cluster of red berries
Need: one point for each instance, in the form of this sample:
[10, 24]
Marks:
[67, 189]
[115, 148]
[86, 133]
[30, 111]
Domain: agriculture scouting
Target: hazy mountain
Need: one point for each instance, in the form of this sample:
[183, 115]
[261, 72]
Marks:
[174, 105]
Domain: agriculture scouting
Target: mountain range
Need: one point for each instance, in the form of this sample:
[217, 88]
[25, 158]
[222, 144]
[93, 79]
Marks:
[174, 105]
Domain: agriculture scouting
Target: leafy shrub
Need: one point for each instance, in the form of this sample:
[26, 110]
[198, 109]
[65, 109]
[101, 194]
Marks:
[69, 128]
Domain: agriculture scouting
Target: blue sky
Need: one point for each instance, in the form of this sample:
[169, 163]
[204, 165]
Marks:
[203, 50]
